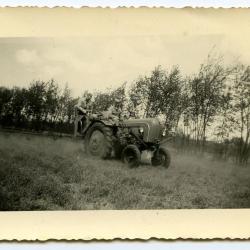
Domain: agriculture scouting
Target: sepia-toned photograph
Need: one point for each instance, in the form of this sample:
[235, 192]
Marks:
[158, 119]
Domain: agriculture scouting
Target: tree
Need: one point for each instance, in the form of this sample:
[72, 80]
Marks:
[226, 119]
[35, 105]
[206, 96]
[40, 106]
[169, 96]
[18, 104]
[119, 100]
[5, 105]
[65, 109]
[51, 101]
[242, 108]
[102, 101]
[138, 97]
[160, 94]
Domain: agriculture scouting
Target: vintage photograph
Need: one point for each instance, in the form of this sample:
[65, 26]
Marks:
[157, 120]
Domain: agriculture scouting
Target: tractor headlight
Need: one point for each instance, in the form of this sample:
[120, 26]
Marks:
[164, 132]
[141, 130]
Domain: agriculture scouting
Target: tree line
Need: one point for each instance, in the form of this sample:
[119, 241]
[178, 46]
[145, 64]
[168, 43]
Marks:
[214, 102]
[41, 106]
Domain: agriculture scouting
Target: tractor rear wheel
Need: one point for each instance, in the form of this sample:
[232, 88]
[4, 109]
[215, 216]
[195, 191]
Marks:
[161, 158]
[99, 141]
[131, 155]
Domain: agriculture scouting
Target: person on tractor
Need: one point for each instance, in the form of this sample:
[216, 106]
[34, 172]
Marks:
[82, 108]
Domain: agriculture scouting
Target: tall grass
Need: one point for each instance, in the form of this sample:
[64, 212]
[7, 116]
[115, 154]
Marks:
[234, 150]
[42, 173]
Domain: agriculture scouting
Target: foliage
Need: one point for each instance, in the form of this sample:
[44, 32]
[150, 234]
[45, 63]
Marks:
[241, 108]
[115, 98]
[216, 99]
[160, 94]
[206, 90]
[41, 106]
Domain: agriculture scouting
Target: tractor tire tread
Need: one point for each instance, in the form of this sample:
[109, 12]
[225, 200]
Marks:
[108, 134]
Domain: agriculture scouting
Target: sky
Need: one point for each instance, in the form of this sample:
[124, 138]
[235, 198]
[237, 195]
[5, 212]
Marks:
[97, 62]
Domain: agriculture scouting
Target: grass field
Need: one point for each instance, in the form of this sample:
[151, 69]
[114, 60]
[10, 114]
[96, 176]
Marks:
[42, 173]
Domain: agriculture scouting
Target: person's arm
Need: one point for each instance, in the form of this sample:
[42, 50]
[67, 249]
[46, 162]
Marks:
[82, 110]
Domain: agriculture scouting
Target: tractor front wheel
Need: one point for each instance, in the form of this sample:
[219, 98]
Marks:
[161, 158]
[131, 155]
[99, 141]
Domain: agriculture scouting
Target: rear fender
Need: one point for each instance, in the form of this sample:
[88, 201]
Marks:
[106, 123]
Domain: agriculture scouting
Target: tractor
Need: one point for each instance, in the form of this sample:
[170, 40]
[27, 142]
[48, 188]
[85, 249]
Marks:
[106, 136]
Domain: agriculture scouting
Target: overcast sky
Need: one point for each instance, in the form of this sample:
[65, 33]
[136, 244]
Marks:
[89, 63]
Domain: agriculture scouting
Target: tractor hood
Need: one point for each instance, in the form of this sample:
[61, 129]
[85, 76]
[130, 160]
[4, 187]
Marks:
[152, 129]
